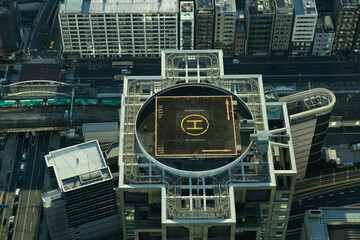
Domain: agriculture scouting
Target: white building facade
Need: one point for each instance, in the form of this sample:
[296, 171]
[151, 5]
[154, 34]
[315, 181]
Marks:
[100, 29]
[304, 26]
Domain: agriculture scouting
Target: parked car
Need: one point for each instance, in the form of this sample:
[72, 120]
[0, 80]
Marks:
[236, 60]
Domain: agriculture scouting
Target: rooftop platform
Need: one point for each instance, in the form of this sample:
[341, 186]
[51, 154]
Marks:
[78, 165]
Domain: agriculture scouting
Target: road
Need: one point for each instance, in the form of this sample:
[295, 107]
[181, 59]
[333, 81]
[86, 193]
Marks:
[25, 208]
[30, 198]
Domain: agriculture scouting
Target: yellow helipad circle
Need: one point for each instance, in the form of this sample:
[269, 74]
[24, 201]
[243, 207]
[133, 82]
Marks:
[194, 120]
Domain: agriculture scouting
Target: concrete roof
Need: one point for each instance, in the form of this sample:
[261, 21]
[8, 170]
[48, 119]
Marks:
[100, 127]
[119, 6]
[78, 165]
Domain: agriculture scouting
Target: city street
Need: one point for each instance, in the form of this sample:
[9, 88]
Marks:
[26, 206]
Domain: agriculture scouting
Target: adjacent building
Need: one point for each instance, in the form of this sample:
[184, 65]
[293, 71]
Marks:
[324, 37]
[240, 34]
[187, 25]
[304, 27]
[118, 28]
[204, 27]
[309, 114]
[83, 203]
[331, 223]
[259, 17]
[284, 13]
[11, 33]
[346, 18]
[224, 31]
[202, 155]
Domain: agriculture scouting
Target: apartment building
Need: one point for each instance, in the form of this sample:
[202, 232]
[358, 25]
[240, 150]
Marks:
[304, 27]
[324, 37]
[225, 19]
[259, 17]
[284, 13]
[346, 18]
[118, 28]
[187, 25]
[83, 203]
[309, 114]
[205, 19]
[187, 173]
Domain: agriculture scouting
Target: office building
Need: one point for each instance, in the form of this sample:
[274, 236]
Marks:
[240, 34]
[284, 13]
[202, 155]
[259, 17]
[309, 114]
[83, 203]
[304, 27]
[11, 32]
[324, 37]
[331, 223]
[346, 18]
[205, 18]
[118, 28]
[225, 19]
[187, 25]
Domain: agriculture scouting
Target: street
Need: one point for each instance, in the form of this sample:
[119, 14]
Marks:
[30, 181]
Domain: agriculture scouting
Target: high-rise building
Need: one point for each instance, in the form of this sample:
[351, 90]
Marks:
[83, 204]
[331, 223]
[304, 27]
[284, 13]
[346, 18]
[202, 155]
[11, 32]
[117, 28]
[205, 18]
[259, 17]
[324, 37]
[240, 34]
[309, 114]
[225, 19]
[187, 25]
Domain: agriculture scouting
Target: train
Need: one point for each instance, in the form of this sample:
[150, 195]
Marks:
[60, 102]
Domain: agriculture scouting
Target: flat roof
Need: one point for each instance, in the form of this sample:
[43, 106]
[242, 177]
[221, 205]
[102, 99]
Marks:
[192, 125]
[305, 7]
[319, 220]
[119, 6]
[100, 127]
[78, 165]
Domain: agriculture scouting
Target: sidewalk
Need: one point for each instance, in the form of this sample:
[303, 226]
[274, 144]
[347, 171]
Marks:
[7, 155]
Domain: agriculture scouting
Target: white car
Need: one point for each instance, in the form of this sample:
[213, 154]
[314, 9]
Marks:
[22, 166]
[11, 219]
[236, 60]
[17, 191]
[23, 157]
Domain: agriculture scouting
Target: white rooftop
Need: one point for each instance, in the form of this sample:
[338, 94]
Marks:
[119, 6]
[78, 165]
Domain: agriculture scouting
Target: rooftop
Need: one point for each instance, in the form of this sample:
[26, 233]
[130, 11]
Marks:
[78, 165]
[305, 7]
[324, 222]
[260, 7]
[205, 4]
[225, 6]
[119, 6]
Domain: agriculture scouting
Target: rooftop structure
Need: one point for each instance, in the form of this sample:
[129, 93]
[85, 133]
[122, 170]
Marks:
[332, 223]
[305, 7]
[199, 157]
[324, 36]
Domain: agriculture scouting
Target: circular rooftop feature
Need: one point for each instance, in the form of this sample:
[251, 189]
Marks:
[193, 129]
